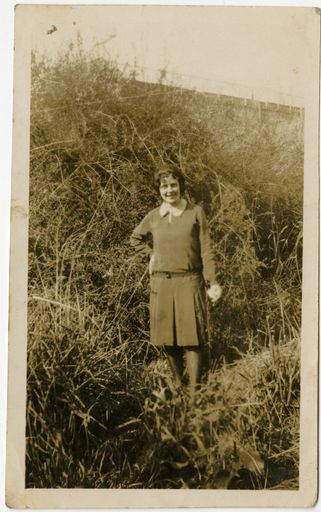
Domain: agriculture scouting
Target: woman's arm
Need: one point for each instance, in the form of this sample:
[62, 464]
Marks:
[140, 238]
[207, 253]
[206, 245]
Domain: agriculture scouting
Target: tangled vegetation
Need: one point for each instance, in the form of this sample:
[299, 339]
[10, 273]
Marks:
[101, 409]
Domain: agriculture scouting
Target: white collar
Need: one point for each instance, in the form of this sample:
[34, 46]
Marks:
[166, 208]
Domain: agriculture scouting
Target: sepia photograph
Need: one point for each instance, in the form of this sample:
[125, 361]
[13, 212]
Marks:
[164, 261]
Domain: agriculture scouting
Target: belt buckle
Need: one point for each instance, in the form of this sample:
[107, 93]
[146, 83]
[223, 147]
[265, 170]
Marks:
[168, 275]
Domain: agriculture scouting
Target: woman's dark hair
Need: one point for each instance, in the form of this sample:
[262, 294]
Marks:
[164, 172]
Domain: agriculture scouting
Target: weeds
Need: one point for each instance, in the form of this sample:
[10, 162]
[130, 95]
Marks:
[101, 410]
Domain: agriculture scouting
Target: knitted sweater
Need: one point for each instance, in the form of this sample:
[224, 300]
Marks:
[181, 245]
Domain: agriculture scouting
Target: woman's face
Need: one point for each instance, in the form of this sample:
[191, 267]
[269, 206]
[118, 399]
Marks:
[169, 190]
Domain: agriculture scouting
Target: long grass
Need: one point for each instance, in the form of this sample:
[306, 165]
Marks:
[106, 414]
[101, 410]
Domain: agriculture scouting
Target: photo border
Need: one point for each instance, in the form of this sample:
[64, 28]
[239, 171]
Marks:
[17, 495]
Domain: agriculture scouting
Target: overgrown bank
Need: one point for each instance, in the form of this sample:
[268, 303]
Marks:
[96, 139]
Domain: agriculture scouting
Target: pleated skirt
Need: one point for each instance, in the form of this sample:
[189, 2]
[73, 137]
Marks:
[178, 310]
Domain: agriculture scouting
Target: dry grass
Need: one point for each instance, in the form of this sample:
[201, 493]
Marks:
[104, 416]
[101, 410]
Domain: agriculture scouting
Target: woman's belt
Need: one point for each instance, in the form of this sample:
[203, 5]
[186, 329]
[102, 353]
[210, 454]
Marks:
[170, 275]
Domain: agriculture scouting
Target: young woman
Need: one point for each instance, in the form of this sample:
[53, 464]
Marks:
[175, 239]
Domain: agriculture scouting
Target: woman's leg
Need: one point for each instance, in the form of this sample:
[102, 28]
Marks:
[193, 358]
[175, 358]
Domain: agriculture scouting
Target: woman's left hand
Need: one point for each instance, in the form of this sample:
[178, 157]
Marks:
[151, 262]
[214, 292]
